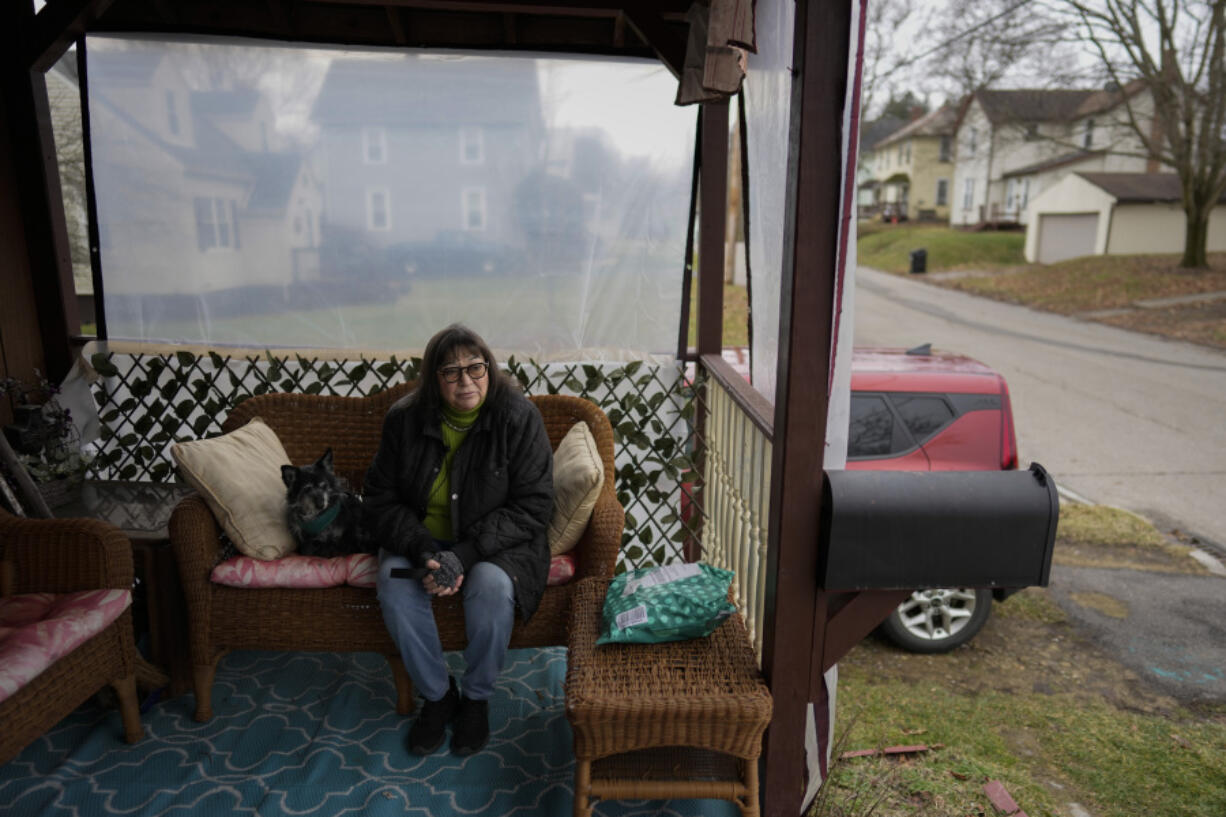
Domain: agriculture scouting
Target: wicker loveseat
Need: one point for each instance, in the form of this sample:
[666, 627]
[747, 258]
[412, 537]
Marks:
[45, 561]
[346, 618]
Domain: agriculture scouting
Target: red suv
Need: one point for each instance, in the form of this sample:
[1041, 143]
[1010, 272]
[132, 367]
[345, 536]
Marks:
[916, 410]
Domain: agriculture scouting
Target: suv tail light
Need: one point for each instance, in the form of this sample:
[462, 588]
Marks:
[1008, 439]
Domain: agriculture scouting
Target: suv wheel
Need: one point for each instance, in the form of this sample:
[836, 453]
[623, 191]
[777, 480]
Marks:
[939, 619]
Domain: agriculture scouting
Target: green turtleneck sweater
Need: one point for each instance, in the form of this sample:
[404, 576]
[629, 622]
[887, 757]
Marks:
[438, 509]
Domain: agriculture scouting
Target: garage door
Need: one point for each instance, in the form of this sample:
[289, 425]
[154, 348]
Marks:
[1066, 236]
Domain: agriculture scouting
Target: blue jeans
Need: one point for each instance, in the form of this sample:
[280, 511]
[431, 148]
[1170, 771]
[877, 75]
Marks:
[489, 613]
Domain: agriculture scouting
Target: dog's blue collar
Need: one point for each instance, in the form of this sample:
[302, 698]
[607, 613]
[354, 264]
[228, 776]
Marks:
[316, 524]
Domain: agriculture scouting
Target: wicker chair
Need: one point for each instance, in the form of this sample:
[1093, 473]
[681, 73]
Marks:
[348, 619]
[68, 556]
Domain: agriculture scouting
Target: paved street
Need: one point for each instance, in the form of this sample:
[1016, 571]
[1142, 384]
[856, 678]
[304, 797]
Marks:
[1121, 418]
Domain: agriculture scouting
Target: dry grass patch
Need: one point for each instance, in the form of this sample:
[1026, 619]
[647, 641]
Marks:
[1203, 323]
[1096, 282]
[1101, 536]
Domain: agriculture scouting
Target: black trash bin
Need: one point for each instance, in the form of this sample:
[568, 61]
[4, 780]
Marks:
[911, 529]
[919, 261]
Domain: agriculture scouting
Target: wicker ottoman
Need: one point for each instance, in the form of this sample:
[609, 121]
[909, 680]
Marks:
[663, 721]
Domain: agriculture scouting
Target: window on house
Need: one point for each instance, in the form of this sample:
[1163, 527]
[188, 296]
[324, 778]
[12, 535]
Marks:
[1025, 194]
[1088, 139]
[172, 114]
[946, 149]
[908, 151]
[216, 223]
[374, 146]
[1010, 187]
[968, 194]
[972, 140]
[473, 202]
[1032, 131]
[900, 154]
[472, 146]
[378, 210]
[942, 192]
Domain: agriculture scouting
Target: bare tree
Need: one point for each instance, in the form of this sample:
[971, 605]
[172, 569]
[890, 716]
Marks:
[886, 51]
[1177, 50]
[982, 43]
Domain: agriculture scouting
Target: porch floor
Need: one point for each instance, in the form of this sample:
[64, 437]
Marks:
[314, 734]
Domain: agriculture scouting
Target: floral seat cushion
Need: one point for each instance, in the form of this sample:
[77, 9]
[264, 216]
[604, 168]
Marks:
[38, 629]
[358, 569]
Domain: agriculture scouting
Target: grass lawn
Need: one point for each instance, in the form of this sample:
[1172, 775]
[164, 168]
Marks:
[888, 247]
[736, 316]
[1031, 703]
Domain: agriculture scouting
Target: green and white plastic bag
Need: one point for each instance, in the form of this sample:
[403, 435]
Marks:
[668, 603]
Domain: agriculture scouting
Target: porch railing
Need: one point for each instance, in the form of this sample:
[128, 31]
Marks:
[737, 437]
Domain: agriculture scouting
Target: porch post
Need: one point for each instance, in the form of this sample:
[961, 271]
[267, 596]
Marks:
[713, 192]
[33, 253]
[713, 189]
[811, 256]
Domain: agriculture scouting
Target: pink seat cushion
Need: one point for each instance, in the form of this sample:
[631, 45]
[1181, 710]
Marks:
[561, 569]
[38, 629]
[358, 569]
[289, 571]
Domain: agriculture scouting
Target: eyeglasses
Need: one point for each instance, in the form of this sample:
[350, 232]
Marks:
[475, 371]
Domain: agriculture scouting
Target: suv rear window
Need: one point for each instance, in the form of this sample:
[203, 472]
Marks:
[886, 424]
[923, 415]
[874, 432]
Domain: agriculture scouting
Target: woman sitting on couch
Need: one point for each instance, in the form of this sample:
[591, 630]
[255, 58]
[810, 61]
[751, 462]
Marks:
[459, 497]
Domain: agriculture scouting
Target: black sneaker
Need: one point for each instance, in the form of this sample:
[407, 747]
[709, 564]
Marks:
[472, 727]
[428, 730]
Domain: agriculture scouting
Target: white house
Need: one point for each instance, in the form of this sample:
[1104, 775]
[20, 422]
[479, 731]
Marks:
[1013, 145]
[1112, 214]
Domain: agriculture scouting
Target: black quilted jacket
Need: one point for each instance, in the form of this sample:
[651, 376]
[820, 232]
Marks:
[501, 489]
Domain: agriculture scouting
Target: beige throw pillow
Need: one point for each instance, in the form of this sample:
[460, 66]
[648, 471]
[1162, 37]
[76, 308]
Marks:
[578, 476]
[239, 476]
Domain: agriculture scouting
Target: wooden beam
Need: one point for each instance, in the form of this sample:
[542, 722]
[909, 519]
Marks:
[666, 41]
[563, 8]
[41, 256]
[397, 25]
[847, 626]
[368, 25]
[812, 206]
[56, 27]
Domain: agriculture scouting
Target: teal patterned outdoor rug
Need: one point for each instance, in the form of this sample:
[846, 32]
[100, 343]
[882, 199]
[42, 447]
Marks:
[314, 734]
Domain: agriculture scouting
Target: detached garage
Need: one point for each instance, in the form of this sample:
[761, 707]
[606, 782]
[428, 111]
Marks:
[1112, 214]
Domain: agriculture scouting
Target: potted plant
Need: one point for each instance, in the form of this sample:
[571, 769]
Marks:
[45, 438]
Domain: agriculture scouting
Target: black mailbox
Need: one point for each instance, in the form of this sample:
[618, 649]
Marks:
[915, 529]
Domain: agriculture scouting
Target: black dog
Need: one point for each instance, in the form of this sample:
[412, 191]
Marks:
[324, 518]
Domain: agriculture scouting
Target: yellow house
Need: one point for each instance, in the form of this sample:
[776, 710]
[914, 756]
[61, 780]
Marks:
[911, 170]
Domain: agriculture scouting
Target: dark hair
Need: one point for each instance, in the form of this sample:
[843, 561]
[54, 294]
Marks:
[439, 351]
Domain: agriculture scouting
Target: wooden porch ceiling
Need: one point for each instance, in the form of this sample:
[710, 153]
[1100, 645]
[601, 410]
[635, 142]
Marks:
[642, 29]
